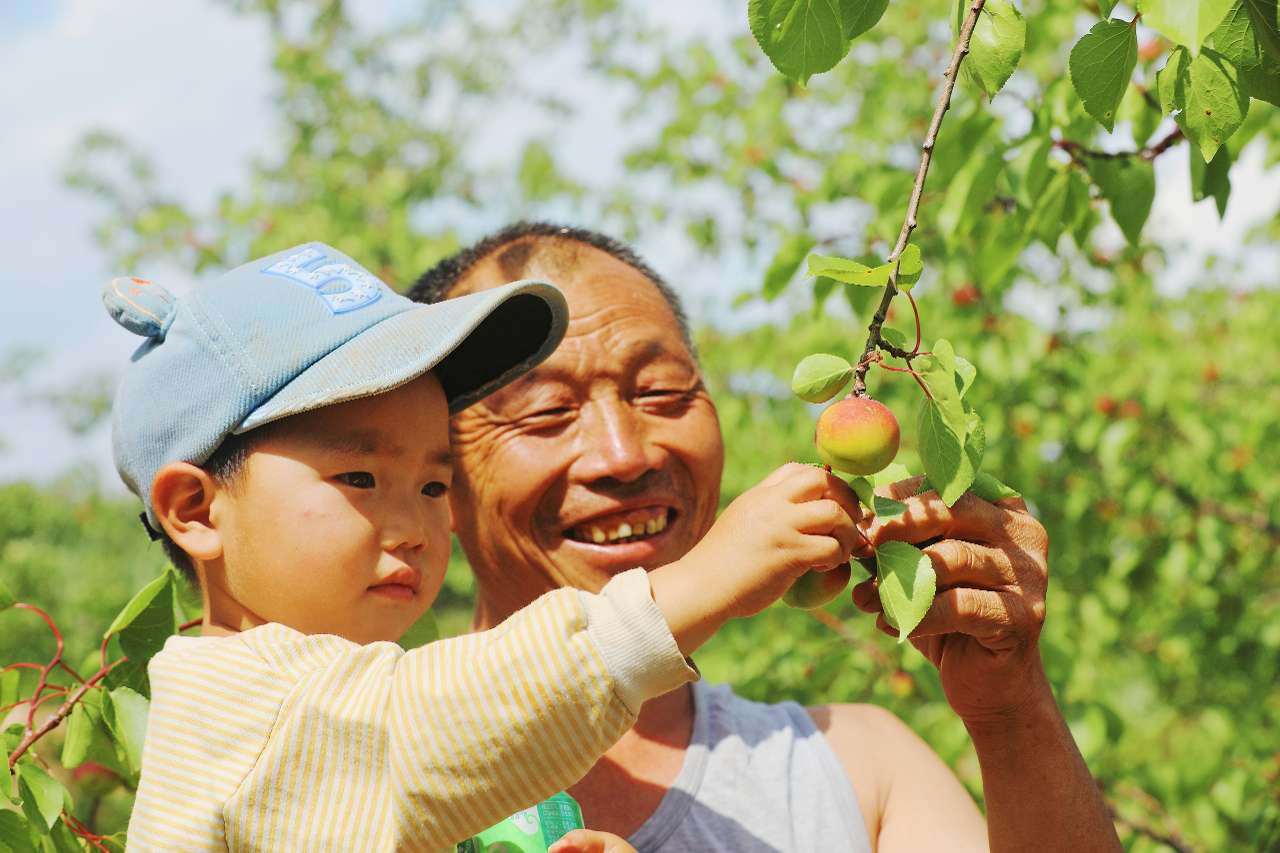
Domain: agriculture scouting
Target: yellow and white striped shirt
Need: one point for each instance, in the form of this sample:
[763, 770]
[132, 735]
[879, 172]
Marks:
[276, 740]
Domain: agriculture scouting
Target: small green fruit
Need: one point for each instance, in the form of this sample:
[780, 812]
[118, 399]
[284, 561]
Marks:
[857, 435]
[814, 589]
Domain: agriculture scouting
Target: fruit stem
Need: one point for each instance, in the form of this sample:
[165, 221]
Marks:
[917, 190]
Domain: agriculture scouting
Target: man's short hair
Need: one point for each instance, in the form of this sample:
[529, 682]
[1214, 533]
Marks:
[519, 243]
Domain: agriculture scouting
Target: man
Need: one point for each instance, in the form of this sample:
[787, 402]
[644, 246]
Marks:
[609, 456]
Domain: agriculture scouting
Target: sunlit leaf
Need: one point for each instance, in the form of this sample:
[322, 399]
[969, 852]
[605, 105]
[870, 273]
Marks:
[990, 488]
[1184, 22]
[820, 376]
[1216, 102]
[1212, 179]
[1101, 64]
[907, 585]
[1129, 185]
[42, 795]
[861, 15]
[996, 46]
[800, 37]
[126, 716]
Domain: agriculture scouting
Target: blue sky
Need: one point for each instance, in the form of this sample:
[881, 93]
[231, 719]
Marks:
[190, 83]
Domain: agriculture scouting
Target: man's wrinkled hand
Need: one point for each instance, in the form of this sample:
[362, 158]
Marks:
[982, 631]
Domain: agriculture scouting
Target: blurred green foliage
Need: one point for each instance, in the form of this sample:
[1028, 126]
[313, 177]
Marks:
[1139, 423]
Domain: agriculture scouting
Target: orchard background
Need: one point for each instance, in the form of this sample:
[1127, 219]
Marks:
[1131, 397]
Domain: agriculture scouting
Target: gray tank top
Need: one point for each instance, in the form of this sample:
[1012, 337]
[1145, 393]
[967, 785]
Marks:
[756, 779]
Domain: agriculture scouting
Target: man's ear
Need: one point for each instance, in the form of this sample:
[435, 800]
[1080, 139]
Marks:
[182, 496]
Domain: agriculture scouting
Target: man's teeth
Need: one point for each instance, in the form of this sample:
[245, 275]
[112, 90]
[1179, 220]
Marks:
[635, 528]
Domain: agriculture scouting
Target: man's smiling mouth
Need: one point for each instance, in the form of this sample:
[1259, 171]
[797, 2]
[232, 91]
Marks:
[618, 528]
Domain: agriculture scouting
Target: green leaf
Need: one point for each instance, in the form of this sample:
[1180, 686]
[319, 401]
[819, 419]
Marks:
[420, 633]
[125, 712]
[942, 451]
[800, 37]
[866, 492]
[1184, 22]
[1046, 220]
[147, 621]
[64, 840]
[10, 683]
[6, 778]
[844, 270]
[991, 489]
[1265, 17]
[996, 46]
[1030, 169]
[1129, 185]
[907, 585]
[1101, 65]
[849, 271]
[895, 472]
[1263, 84]
[1236, 40]
[887, 507]
[910, 266]
[15, 835]
[785, 263]
[859, 16]
[7, 598]
[967, 195]
[88, 736]
[1171, 81]
[894, 336]
[1216, 102]
[965, 374]
[820, 376]
[42, 795]
[1212, 179]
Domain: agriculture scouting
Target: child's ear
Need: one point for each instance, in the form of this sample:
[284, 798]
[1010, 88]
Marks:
[182, 498]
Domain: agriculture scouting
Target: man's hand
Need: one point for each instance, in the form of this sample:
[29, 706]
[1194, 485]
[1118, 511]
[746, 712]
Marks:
[983, 629]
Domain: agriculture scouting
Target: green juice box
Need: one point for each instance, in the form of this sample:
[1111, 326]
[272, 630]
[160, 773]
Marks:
[530, 830]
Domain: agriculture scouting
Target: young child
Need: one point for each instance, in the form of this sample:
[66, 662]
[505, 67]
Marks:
[286, 428]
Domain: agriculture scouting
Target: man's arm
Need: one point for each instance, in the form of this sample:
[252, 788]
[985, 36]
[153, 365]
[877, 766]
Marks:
[909, 799]
[982, 633]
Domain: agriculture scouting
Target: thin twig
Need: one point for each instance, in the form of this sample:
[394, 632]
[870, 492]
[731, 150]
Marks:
[1151, 152]
[913, 206]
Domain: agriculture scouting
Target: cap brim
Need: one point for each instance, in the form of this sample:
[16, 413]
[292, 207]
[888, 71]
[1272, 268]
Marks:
[477, 343]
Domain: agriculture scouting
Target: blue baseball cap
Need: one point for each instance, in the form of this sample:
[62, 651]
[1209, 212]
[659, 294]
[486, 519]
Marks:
[295, 331]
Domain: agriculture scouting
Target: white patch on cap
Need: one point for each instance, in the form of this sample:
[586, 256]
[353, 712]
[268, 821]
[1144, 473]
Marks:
[343, 287]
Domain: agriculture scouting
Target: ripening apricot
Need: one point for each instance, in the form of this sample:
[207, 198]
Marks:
[814, 589]
[857, 435]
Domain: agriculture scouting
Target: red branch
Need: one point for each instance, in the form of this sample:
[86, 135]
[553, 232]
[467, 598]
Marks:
[59, 715]
[43, 681]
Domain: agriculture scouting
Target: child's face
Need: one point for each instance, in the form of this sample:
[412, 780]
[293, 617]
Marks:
[339, 521]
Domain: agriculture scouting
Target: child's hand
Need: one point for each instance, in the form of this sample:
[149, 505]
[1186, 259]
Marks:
[798, 518]
[591, 841]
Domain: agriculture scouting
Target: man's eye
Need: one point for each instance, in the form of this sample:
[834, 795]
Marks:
[548, 414]
[435, 489]
[356, 479]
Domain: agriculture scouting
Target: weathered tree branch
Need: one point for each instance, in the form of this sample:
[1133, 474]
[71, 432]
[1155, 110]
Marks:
[913, 206]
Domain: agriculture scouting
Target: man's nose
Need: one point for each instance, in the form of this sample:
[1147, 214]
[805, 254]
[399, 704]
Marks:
[615, 443]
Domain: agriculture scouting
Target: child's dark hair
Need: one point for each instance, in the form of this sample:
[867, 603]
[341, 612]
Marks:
[225, 465]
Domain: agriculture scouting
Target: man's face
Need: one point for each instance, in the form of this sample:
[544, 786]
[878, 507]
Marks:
[339, 521]
[606, 457]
